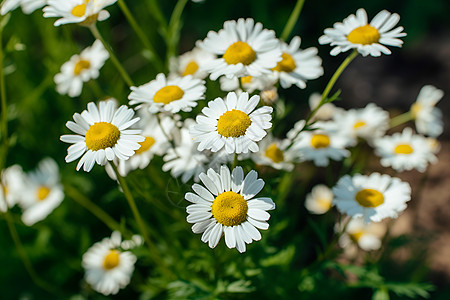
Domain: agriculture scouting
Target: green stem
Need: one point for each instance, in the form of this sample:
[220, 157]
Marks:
[331, 83]
[141, 35]
[157, 13]
[174, 28]
[235, 161]
[113, 57]
[93, 208]
[333, 243]
[400, 119]
[292, 20]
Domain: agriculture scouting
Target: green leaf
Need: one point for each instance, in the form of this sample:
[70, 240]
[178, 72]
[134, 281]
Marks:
[381, 294]
[411, 290]
[284, 257]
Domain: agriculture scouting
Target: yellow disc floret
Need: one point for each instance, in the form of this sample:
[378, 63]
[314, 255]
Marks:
[359, 124]
[112, 260]
[42, 193]
[319, 141]
[274, 153]
[239, 52]
[81, 65]
[364, 35]
[246, 79]
[369, 198]
[233, 123]
[168, 94]
[79, 10]
[190, 69]
[145, 145]
[287, 64]
[356, 236]
[415, 109]
[230, 209]
[102, 135]
[403, 149]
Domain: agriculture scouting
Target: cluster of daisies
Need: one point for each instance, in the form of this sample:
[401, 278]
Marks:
[251, 64]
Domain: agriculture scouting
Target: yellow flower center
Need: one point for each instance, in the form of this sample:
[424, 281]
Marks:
[364, 35]
[168, 94]
[369, 198]
[233, 123]
[274, 153]
[145, 145]
[319, 141]
[102, 135]
[42, 193]
[403, 149]
[229, 209]
[355, 236]
[239, 52]
[246, 79]
[112, 260]
[287, 64]
[79, 10]
[80, 66]
[191, 68]
[359, 124]
[324, 203]
[415, 109]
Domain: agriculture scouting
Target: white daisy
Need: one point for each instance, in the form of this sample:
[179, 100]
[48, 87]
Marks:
[321, 145]
[232, 123]
[245, 48]
[169, 94]
[374, 197]
[298, 65]
[428, 117]
[368, 123]
[107, 267]
[320, 200]
[325, 112]
[81, 68]
[102, 135]
[28, 6]
[13, 184]
[294, 131]
[43, 192]
[269, 96]
[226, 206]
[369, 39]
[84, 12]
[275, 153]
[185, 160]
[248, 83]
[405, 151]
[366, 236]
[191, 63]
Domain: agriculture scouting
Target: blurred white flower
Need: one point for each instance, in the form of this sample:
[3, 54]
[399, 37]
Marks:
[13, 184]
[428, 117]
[275, 153]
[320, 200]
[28, 6]
[191, 63]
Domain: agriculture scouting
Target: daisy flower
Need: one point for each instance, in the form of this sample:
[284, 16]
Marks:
[169, 94]
[43, 192]
[107, 268]
[226, 205]
[428, 117]
[320, 200]
[405, 151]
[325, 112]
[368, 123]
[368, 39]
[102, 135]
[232, 123]
[374, 197]
[28, 6]
[275, 153]
[81, 68]
[321, 145]
[297, 66]
[184, 160]
[245, 48]
[12, 184]
[366, 236]
[269, 96]
[248, 83]
[84, 12]
[191, 63]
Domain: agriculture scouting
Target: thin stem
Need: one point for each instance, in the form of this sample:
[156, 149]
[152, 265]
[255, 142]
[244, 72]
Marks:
[235, 161]
[331, 83]
[93, 208]
[292, 20]
[400, 119]
[157, 13]
[4, 122]
[173, 31]
[113, 57]
[156, 60]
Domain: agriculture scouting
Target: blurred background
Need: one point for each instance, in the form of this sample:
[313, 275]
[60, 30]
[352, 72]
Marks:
[419, 247]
